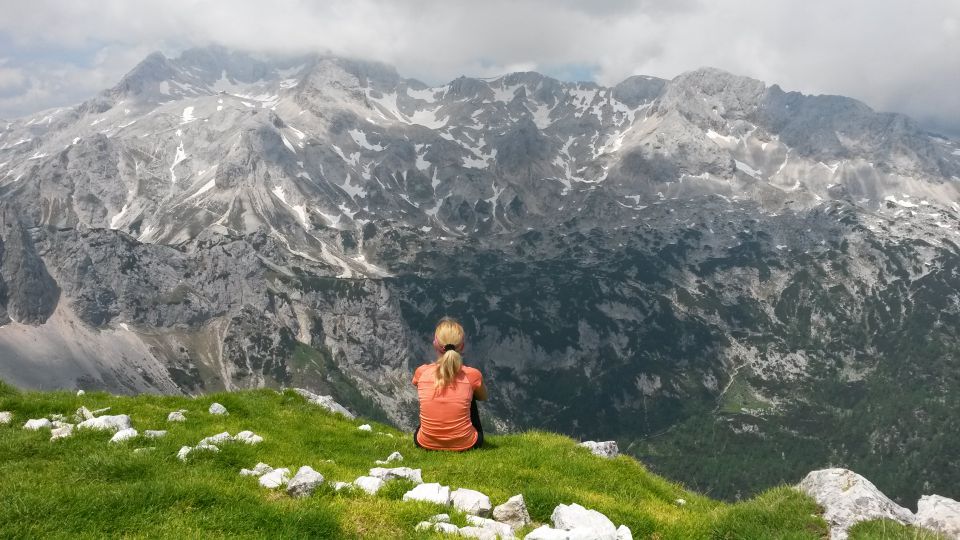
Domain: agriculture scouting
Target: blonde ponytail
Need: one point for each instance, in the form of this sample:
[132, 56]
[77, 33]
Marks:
[448, 366]
[449, 332]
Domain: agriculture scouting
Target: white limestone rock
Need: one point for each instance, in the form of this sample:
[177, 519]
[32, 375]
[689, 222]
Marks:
[577, 519]
[6, 417]
[218, 409]
[337, 486]
[471, 502]
[440, 518]
[57, 418]
[370, 484]
[479, 532]
[258, 470]
[36, 424]
[546, 532]
[61, 432]
[680, 502]
[248, 437]
[396, 456]
[304, 482]
[848, 498]
[513, 512]
[80, 392]
[414, 475]
[434, 493]
[365, 427]
[275, 478]
[326, 402]
[100, 411]
[624, 533]
[448, 528]
[219, 438]
[154, 433]
[604, 449]
[184, 452]
[939, 514]
[124, 435]
[113, 423]
[503, 530]
[82, 414]
[176, 416]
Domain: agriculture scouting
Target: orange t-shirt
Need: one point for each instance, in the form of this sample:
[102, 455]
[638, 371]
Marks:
[445, 417]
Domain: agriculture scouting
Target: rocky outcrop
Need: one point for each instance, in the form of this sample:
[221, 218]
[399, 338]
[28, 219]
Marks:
[939, 514]
[848, 498]
[605, 449]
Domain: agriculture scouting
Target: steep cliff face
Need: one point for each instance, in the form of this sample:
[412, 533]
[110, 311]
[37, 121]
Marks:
[27, 292]
[653, 262]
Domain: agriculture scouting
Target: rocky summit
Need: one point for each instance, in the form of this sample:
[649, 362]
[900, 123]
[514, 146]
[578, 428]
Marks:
[648, 262]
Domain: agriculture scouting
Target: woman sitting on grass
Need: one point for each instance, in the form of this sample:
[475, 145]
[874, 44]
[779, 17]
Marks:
[448, 392]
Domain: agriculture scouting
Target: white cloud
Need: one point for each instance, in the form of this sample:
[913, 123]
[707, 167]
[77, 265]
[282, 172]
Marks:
[894, 55]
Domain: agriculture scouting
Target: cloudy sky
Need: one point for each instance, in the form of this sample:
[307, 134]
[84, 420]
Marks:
[896, 55]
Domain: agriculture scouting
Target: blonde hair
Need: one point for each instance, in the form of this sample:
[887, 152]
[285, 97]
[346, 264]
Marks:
[448, 332]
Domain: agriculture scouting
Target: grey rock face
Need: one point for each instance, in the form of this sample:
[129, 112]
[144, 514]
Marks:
[28, 293]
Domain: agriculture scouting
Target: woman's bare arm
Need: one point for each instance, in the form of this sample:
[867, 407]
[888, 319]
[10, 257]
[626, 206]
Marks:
[480, 394]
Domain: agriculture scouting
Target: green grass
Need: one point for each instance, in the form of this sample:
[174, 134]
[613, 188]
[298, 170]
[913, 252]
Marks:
[83, 487]
[885, 529]
[739, 397]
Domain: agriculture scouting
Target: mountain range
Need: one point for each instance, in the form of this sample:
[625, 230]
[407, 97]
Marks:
[738, 283]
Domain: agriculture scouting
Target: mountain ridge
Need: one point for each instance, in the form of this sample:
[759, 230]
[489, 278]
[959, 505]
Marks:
[311, 227]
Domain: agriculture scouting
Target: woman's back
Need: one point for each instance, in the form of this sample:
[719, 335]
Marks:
[445, 414]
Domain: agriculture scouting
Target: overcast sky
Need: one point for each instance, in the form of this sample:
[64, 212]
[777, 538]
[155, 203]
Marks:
[896, 55]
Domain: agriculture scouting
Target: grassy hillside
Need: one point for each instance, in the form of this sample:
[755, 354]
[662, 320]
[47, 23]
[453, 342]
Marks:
[84, 487]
